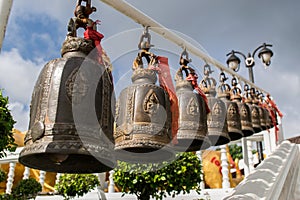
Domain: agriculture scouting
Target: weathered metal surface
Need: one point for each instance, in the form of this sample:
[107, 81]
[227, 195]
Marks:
[244, 110]
[192, 130]
[216, 119]
[71, 121]
[232, 114]
[143, 120]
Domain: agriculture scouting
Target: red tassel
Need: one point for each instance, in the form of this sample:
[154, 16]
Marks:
[193, 78]
[96, 37]
[165, 81]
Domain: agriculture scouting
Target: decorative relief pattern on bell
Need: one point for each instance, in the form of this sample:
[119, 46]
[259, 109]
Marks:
[243, 108]
[216, 119]
[143, 119]
[233, 115]
[192, 130]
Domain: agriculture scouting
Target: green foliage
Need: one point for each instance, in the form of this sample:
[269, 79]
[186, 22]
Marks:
[71, 185]
[7, 197]
[2, 175]
[145, 180]
[236, 151]
[7, 142]
[26, 189]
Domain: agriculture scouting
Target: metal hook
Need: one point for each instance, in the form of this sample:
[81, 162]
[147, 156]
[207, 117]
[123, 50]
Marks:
[145, 40]
[184, 58]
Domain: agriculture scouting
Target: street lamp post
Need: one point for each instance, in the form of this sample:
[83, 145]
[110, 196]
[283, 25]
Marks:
[233, 63]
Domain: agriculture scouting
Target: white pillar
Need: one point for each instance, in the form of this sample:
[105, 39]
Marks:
[26, 173]
[250, 155]
[111, 186]
[42, 178]
[57, 179]
[202, 185]
[267, 142]
[101, 178]
[5, 7]
[225, 171]
[280, 132]
[10, 177]
[245, 156]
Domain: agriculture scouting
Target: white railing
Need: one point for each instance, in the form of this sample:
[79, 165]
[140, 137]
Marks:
[277, 177]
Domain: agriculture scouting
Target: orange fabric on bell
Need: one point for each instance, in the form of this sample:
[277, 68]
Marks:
[165, 81]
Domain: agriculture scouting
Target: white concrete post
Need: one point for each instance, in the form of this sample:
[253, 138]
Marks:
[267, 142]
[10, 177]
[42, 178]
[250, 155]
[111, 186]
[245, 156]
[5, 7]
[202, 185]
[225, 171]
[26, 173]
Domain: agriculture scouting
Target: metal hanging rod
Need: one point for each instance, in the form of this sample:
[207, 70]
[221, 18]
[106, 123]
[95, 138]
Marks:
[5, 7]
[141, 18]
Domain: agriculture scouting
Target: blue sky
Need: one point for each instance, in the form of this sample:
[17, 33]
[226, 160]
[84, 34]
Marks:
[36, 30]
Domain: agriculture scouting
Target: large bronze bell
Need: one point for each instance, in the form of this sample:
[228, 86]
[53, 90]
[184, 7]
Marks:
[192, 130]
[143, 118]
[233, 115]
[216, 119]
[71, 122]
[252, 103]
[244, 110]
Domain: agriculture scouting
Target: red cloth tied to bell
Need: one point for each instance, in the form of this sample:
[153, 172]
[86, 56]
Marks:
[165, 81]
[96, 37]
[192, 77]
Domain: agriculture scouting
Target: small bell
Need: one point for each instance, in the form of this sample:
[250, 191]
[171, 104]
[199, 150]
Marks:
[233, 115]
[252, 103]
[192, 130]
[244, 110]
[216, 119]
[143, 117]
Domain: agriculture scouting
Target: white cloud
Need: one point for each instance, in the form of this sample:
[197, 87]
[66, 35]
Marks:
[17, 78]
[20, 113]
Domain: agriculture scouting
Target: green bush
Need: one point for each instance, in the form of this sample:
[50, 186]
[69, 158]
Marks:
[27, 188]
[145, 180]
[71, 185]
[7, 142]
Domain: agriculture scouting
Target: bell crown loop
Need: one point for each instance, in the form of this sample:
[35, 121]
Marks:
[224, 88]
[208, 84]
[235, 92]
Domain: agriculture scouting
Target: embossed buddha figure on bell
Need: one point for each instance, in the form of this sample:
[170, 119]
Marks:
[232, 115]
[192, 129]
[143, 117]
[244, 110]
[217, 118]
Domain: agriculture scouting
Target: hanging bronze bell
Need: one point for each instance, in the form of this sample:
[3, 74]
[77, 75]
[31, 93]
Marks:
[252, 103]
[216, 119]
[71, 122]
[143, 119]
[244, 110]
[192, 130]
[263, 113]
[233, 115]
